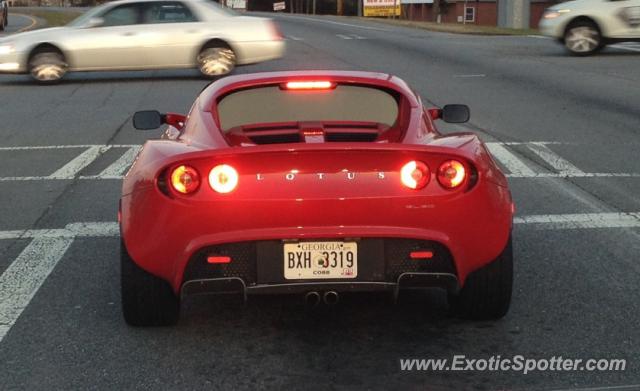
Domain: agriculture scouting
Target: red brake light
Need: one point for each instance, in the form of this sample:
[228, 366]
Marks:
[309, 85]
[421, 254]
[275, 31]
[451, 174]
[218, 259]
[414, 175]
[223, 178]
[185, 179]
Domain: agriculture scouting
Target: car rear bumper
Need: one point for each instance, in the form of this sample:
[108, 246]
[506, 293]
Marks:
[165, 235]
[406, 281]
[258, 268]
[258, 51]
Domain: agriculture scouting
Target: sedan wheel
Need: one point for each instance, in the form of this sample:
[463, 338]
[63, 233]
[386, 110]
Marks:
[47, 67]
[583, 39]
[216, 61]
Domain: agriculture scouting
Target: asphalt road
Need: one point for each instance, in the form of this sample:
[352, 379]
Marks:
[17, 23]
[565, 129]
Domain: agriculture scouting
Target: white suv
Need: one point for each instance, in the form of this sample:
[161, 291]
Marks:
[585, 26]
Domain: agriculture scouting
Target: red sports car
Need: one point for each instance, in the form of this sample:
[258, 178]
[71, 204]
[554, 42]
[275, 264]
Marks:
[313, 183]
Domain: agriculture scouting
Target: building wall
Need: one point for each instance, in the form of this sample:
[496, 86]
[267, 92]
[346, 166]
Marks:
[486, 12]
[537, 9]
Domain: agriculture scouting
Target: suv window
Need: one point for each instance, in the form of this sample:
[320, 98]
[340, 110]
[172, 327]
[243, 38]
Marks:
[168, 12]
[121, 15]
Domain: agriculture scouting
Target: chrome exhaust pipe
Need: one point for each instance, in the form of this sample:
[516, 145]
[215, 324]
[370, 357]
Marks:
[312, 299]
[331, 297]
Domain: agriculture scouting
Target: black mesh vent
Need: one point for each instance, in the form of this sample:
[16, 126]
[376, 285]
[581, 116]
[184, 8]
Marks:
[347, 137]
[276, 138]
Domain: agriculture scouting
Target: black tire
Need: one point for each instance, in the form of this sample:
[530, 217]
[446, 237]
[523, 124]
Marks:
[47, 65]
[583, 38]
[487, 291]
[146, 299]
[216, 59]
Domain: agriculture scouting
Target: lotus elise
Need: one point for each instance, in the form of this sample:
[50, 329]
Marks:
[314, 184]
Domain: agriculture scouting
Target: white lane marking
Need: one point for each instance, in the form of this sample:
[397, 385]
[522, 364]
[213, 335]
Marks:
[516, 167]
[356, 36]
[557, 221]
[71, 169]
[582, 175]
[37, 147]
[22, 279]
[116, 169]
[632, 49]
[72, 230]
[509, 160]
[517, 176]
[554, 160]
[291, 37]
[606, 388]
[581, 220]
[480, 75]
[539, 36]
[342, 36]
[337, 23]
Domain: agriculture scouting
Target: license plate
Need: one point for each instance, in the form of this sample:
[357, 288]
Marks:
[320, 260]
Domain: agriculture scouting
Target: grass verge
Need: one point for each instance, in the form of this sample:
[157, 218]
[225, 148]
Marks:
[457, 28]
[52, 18]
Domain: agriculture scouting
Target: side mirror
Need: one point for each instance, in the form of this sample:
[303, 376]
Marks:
[147, 120]
[456, 114]
[94, 22]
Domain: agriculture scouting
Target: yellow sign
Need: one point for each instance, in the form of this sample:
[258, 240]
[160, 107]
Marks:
[382, 10]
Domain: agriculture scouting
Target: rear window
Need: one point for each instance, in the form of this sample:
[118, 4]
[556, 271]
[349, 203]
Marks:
[272, 104]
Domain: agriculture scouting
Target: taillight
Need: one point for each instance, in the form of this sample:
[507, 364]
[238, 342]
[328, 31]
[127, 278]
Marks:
[185, 179]
[309, 85]
[275, 31]
[415, 175]
[223, 178]
[451, 174]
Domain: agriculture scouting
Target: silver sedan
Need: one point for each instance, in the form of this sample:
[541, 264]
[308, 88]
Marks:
[141, 35]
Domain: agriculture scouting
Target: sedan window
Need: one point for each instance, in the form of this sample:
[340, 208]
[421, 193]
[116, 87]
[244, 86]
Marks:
[121, 16]
[168, 12]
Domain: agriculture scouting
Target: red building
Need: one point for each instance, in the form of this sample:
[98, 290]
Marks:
[480, 12]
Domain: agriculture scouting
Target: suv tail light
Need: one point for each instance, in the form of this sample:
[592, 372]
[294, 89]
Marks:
[451, 174]
[414, 175]
[185, 179]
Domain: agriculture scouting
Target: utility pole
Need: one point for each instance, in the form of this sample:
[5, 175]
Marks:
[436, 10]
